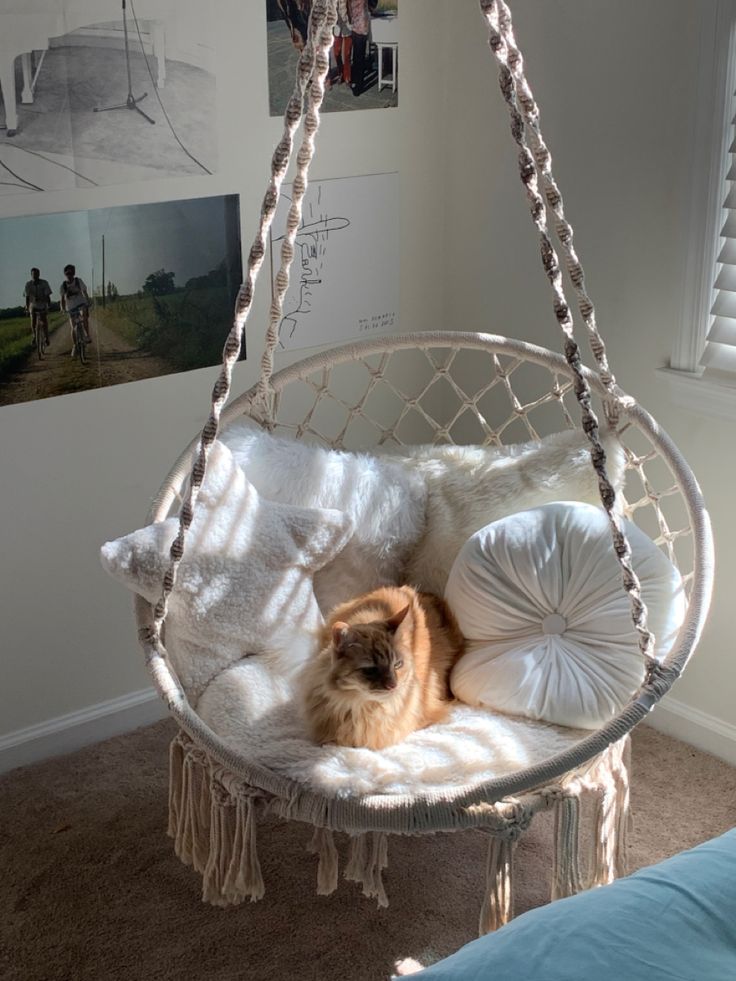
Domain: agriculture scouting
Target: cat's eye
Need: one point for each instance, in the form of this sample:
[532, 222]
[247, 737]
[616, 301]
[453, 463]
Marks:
[370, 672]
[398, 664]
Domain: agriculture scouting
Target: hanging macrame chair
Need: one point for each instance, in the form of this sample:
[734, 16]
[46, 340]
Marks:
[218, 794]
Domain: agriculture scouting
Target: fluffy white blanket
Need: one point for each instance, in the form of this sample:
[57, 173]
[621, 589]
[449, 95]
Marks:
[257, 712]
[468, 487]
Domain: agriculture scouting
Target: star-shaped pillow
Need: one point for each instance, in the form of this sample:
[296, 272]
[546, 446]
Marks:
[244, 585]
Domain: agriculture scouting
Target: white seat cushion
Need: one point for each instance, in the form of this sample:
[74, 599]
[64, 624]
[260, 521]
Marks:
[539, 597]
[258, 711]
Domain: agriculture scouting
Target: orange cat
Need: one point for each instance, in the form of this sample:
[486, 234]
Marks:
[383, 669]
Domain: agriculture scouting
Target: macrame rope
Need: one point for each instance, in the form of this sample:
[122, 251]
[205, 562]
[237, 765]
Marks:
[315, 97]
[315, 51]
[499, 20]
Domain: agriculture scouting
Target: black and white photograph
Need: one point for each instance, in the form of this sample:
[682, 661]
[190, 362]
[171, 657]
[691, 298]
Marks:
[100, 92]
[96, 298]
[364, 58]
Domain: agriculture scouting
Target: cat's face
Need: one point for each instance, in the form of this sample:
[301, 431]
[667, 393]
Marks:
[368, 657]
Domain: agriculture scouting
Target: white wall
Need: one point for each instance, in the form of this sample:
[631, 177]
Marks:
[80, 469]
[616, 83]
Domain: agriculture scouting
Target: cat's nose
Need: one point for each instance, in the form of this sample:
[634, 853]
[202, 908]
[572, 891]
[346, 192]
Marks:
[389, 684]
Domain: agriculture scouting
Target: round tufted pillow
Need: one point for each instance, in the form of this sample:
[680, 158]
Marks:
[539, 598]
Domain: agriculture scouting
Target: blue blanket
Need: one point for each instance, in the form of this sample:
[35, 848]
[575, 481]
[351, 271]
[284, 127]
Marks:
[675, 921]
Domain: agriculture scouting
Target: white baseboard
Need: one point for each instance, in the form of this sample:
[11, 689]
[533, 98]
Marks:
[692, 726]
[90, 725]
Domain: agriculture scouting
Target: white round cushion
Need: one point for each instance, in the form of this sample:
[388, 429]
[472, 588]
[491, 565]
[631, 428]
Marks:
[538, 596]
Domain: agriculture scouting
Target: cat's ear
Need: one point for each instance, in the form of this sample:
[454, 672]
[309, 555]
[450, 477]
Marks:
[339, 636]
[393, 623]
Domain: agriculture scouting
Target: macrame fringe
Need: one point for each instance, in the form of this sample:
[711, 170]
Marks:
[498, 901]
[368, 859]
[213, 829]
[611, 819]
[189, 804]
[566, 876]
[212, 819]
[222, 834]
[323, 845]
[233, 872]
[176, 772]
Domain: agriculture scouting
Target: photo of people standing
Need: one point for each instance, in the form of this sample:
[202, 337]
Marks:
[364, 57]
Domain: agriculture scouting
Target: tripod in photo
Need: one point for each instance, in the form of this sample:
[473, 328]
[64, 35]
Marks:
[131, 101]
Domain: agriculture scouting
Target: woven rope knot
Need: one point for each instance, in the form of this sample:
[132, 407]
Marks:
[146, 635]
[655, 673]
[562, 312]
[551, 794]
[527, 169]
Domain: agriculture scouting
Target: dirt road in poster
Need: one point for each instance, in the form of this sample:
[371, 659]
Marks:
[110, 361]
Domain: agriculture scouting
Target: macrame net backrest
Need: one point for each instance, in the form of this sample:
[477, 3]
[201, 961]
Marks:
[448, 394]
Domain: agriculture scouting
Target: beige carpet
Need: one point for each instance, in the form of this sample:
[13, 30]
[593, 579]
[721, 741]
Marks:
[90, 889]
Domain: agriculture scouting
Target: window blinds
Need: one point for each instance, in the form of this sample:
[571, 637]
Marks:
[720, 347]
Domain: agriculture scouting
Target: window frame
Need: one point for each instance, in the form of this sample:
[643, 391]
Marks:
[691, 385]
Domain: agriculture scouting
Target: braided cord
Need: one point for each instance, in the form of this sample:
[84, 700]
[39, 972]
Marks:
[279, 164]
[315, 96]
[504, 48]
[499, 19]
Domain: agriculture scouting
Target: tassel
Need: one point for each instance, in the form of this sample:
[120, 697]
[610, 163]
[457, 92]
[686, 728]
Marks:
[608, 782]
[366, 865]
[176, 765]
[601, 870]
[323, 844]
[373, 883]
[189, 804]
[233, 872]
[183, 840]
[252, 877]
[222, 836]
[610, 822]
[566, 877]
[233, 887]
[354, 870]
[213, 830]
[624, 815]
[199, 813]
[243, 878]
[498, 902]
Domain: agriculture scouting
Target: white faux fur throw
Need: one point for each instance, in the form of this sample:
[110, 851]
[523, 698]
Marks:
[413, 508]
[258, 713]
[385, 501]
[471, 486]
